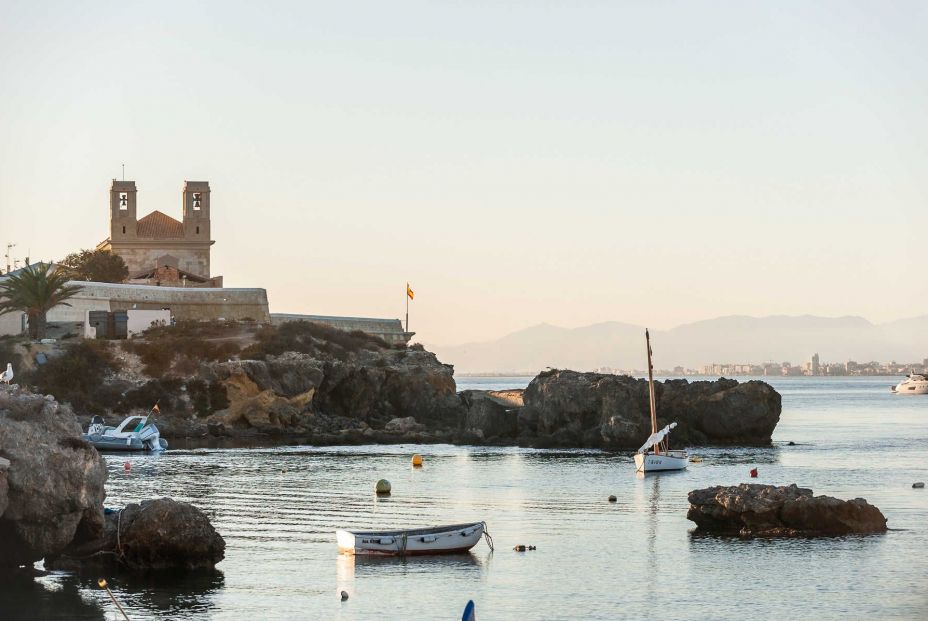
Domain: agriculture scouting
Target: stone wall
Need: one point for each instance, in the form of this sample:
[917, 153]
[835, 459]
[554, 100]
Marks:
[185, 303]
[390, 330]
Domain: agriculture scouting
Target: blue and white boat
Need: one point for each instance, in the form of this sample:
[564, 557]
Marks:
[135, 433]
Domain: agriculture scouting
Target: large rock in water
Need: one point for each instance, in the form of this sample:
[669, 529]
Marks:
[567, 408]
[767, 510]
[51, 490]
[167, 534]
[152, 535]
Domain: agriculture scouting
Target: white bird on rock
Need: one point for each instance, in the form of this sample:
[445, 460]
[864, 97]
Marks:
[8, 374]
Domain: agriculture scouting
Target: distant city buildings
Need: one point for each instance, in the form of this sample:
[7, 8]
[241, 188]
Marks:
[814, 367]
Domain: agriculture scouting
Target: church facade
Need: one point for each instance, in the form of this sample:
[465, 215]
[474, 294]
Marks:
[157, 248]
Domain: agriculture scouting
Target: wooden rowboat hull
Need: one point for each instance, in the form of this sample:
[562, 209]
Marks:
[453, 539]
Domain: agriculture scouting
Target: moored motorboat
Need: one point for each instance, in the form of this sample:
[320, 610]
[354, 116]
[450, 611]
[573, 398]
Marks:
[451, 539]
[134, 433]
[913, 384]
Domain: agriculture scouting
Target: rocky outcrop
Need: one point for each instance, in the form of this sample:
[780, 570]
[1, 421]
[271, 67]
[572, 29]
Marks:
[167, 534]
[51, 500]
[51, 481]
[150, 536]
[567, 408]
[770, 511]
[490, 418]
[399, 392]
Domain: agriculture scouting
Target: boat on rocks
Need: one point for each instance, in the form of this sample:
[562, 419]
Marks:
[134, 433]
[913, 384]
[655, 454]
[456, 538]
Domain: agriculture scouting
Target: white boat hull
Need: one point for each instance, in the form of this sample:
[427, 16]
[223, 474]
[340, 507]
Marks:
[912, 386]
[435, 540]
[657, 462]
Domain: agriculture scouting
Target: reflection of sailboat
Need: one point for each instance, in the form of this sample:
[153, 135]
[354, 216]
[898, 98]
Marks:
[654, 455]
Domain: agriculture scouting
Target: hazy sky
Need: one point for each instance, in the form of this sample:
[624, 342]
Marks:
[650, 162]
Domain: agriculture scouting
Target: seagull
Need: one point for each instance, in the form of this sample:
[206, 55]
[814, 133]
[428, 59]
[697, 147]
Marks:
[8, 374]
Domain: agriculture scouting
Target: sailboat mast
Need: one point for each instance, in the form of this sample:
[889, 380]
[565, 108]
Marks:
[647, 338]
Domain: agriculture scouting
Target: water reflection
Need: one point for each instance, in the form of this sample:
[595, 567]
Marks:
[162, 592]
[52, 596]
[349, 567]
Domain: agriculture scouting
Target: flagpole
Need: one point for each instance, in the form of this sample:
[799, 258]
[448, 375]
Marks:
[407, 307]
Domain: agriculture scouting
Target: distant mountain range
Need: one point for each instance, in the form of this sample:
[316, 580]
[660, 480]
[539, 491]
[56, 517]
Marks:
[733, 339]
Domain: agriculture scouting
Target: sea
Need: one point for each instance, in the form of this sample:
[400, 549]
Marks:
[638, 557]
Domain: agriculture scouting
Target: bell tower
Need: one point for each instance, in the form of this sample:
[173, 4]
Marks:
[196, 210]
[122, 210]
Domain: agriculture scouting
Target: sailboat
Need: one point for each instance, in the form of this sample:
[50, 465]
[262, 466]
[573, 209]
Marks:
[654, 455]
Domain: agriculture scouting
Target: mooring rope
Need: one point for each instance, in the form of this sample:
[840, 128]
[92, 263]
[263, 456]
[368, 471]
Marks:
[118, 528]
[487, 536]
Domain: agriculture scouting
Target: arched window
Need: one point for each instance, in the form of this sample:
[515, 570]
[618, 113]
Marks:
[198, 230]
[123, 230]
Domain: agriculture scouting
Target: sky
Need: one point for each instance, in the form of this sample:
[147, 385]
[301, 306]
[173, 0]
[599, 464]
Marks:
[517, 163]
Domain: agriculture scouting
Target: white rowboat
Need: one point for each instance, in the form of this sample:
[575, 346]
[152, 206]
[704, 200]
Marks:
[431, 540]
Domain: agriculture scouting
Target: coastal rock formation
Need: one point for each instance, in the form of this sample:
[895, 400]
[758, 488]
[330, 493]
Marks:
[167, 534]
[567, 408]
[300, 396]
[770, 511]
[51, 481]
[490, 417]
[152, 535]
[302, 382]
[52, 492]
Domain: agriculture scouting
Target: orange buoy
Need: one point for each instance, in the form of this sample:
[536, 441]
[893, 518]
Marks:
[417, 460]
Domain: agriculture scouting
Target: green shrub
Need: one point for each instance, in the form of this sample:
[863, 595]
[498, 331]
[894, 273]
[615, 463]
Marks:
[159, 353]
[207, 397]
[77, 375]
[166, 392]
[8, 353]
[310, 338]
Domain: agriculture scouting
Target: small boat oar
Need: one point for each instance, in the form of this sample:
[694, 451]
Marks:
[102, 583]
[469, 612]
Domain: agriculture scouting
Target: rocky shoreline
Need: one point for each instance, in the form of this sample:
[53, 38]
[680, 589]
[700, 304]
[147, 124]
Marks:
[52, 489]
[306, 384]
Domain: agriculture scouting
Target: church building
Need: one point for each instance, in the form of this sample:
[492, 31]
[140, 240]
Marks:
[157, 248]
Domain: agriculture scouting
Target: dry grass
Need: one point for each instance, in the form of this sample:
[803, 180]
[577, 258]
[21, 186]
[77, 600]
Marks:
[311, 338]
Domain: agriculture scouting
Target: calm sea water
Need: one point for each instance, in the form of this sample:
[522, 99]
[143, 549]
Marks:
[278, 509]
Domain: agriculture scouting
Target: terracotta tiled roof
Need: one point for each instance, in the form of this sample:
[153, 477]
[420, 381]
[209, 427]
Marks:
[157, 225]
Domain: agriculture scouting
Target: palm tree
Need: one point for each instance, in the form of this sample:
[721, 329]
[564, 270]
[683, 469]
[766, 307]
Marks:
[35, 290]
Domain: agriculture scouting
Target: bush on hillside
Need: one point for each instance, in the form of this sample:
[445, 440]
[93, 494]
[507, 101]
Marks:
[310, 338]
[77, 375]
[8, 353]
[158, 353]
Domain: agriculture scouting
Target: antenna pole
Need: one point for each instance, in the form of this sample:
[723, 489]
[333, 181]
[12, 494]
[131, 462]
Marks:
[9, 247]
[123, 172]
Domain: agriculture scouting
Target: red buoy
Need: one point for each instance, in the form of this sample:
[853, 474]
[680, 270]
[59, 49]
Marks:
[127, 466]
[753, 473]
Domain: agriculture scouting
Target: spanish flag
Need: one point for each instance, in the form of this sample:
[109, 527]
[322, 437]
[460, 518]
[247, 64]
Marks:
[409, 292]
[156, 409]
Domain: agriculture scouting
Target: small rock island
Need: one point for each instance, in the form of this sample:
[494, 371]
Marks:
[752, 510]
